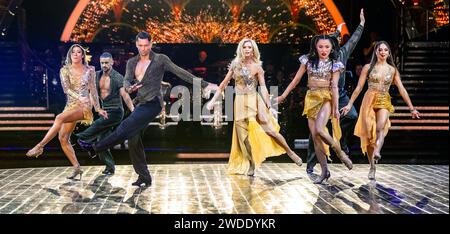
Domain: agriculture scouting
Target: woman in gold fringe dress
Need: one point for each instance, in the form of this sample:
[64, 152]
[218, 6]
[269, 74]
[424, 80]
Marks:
[321, 101]
[78, 82]
[255, 132]
[373, 121]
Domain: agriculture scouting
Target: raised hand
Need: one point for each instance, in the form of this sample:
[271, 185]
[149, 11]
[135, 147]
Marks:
[362, 19]
[339, 27]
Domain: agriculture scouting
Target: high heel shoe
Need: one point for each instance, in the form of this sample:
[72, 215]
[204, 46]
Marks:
[376, 158]
[36, 151]
[322, 178]
[297, 160]
[371, 175]
[251, 169]
[343, 156]
[76, 172]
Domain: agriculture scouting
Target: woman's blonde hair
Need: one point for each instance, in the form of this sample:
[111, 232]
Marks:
[238, 60]
[69, 53]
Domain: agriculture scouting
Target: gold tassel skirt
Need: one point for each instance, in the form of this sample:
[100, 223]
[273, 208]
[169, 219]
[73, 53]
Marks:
[88, 116]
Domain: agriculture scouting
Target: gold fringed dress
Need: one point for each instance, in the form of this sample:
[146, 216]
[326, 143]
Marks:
[80, 91]
[319, 92]
[250, 115]
[376, 97]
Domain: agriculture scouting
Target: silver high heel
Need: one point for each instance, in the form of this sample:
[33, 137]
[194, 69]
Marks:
[321, 179]
[77, 171]
[371, 175]
[36, 151]
[251, 169]
[297, 160]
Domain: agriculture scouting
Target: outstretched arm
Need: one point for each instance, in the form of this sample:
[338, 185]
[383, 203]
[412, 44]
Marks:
[293, 83]
[221, 88]
[357, 91]
[354, 39]
[181, 73]
[405, 96]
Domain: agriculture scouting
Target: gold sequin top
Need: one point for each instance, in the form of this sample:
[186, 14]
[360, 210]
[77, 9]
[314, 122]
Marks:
[245, 83]
[381, 80]
[321, 76]
[78, 87]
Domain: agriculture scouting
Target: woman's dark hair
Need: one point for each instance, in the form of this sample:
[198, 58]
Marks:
[313, 55]
[68, 60]
[374, 58]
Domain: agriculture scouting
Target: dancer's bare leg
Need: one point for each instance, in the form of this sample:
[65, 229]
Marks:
[242, 131]
[370, 156]
[321, 123]
[319, 149]
[64, 140]
[65, 117]
[264, 122]
[382, 118]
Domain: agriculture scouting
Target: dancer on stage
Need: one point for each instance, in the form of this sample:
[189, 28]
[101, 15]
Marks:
[78, 82]
[255, 132]
[144, 74]
[110, 86]
[373, 122]
[321, 101]
[348, 121]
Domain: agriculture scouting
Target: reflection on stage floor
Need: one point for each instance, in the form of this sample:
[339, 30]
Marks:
[207, 189]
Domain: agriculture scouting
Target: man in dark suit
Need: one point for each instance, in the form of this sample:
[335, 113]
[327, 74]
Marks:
[144, 74]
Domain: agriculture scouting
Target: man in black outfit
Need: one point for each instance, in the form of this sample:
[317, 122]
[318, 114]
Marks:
[144, 74]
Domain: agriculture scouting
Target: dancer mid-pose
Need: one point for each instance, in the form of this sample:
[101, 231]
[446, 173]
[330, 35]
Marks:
[110, 87]
[144, 74]
[78, 82]
[321, 101]
[256, 132]
[373, 122]
[348, 121]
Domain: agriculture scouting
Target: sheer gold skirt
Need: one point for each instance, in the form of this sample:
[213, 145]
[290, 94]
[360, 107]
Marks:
[250, 115]
[366, 126]
[314, 101]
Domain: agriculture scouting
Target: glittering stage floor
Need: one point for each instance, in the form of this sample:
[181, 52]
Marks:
[206, 188]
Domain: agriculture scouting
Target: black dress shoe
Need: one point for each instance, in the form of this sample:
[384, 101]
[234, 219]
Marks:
[139, 182]
[309, 170]
[108, 172]
[88, 147]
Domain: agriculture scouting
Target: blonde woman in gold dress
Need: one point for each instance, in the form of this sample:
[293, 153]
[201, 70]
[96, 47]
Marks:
[78, 82]
[321, 101]
[373, 121]
[255, 132]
